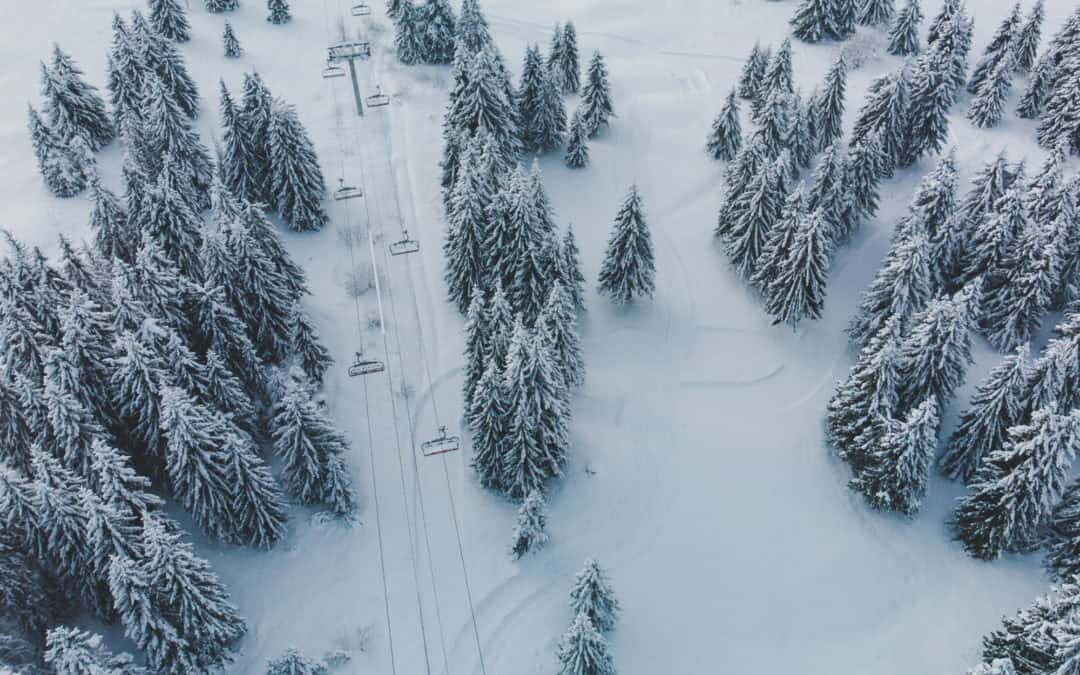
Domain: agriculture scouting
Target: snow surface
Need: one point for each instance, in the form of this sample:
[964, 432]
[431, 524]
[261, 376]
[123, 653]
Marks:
[698, 476]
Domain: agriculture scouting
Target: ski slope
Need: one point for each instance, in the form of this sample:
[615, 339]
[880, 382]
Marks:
[698, 473]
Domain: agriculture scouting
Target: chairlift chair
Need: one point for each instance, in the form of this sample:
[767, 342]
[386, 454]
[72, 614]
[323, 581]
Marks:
[361, 366]
[440, 445]
[361, 9]
[378, 99]
[331, 70]
[346, 191]
[404, 245]
[348, 50]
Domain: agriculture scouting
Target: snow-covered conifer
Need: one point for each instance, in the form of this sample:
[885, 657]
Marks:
[936, 352]
[1002, 48]
[1063, 539]
[258, 507]
[118, 484]
[573, 279]
[994, 408]
[830, 194]
[932, 210]
[738, 176]
[1027, 41]
[567, 62]
[864, 168]
[845, 16]
[904, 33]
[169, 133]
[438, 25]
[577, 146]
[1013, 492]
[144, 621]
[278, 11]
[483, 104]
[885, 112]
[218, 6]
[798, 291]
[801, 141]
[64, 169]
[125, 70]
[779, 242]
[629, 270]
[73, 106]
[988, 106]
[778, 76]
[897, 471]
[763, 203]
[409, 38]
[1038, 89]
[560, 321]
[224, 390]
[584, 651]
[550, 121]
[169, 18]
[476, 349]
[297, 179]
[231, 44]
[1013, 305]
[167, 63]
[530, 529]
[219, 328]
[72, 651]
[313, 357]
[1059, 123]
[829, 105]
[774, 122]
[753, 72]
[994, 236]
[488, 419]
[877, 12]
[168, 218]
[899, 290]
[815, 20]
[256, 111]
[593, 596]
[931, 98]
[137, 374]
[596, 103]
[293, 662]
[108, 221]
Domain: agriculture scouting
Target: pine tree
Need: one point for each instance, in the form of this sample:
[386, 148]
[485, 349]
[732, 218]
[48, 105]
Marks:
[1012, 312]
[584, 651]
[830, 194]
[169, 133]
[932, 211]
[555, 55]
[955, 42]
[71, 651]
[305, 440]
[550, 120]
[1015, 488]
[483, 104]
[877, 12]
[108, 222]
[1063, 538]
[897, 471]
[573, 279]
[257, 503]
[904, 33]
[886, 113]
[628, 270]
[293, 662]
[753, 72]
[995, 236]
[798, 291]
[476, 349]
[1026, 638]
[169, 18]
[778, 76]
[593, 596]
[167, 63]
[488, 418]
[779, 242]
[185, 588]
[257, 109]
[278, 11]
[748, 235]
[988, 106]
[1059, 124]
[233, 50]
[126, 70]
[801, 141]
[1038, 90]
[900, 289]
[530, 530]
[438, 37]
[738, 176]
[815, 20]
[845, 16]
[534, 447]
[144, 623]
[118, 484]
[596, 103]
[409, 36]
[297, 179]
[774, 122]
[567, 63]
[829, 106]
[65, 169]
[137, 374]
[224, 390]
[1027, 41]
[937, 351]
[931, 98]
[219, 329]
[577, 147]
[1002, 48]
[167, 217]
[60, 515]
[218, 6]
[864, 168]
[995, 407]
[313, 357]
[73, 106]
[560, 322]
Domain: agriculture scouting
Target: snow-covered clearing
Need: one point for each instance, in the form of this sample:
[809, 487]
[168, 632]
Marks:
[698, 476]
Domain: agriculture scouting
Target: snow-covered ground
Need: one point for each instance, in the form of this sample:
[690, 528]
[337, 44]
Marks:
[698, 477]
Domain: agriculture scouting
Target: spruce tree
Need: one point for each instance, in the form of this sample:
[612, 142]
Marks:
[144, 621]
[988, 106]
[530, 529]
[753, 72]
[1063, 538]
[1013, 311]
[738, 176]
[74, 107]
[877, 12]
[1038, 90]
[1011, 499]
[108, 221]
[801, 141]
[483, 104]
[169, 133]
[896, 473]
[297, 179]
[167, 217]
[126, 70]
[555, 55]
[573, 279]
[65, 170]
[257, 503]
[218, 6]
[409, 38]
[886, 113]
[830, 194]
[476, 349]
[118, 484]
[236, 162]
[763, 201]
[257, 108]
[219, 328]
[560, 322]
[994, 236]
[937, 351]
[845, 16]
[1002, 48]
[488, 418]
[778, 76]
[864, 168]
[994, 408]
[1027, 41]
[167, 63]
[305, 440]
[138, 372]
[798, 291]
[313, 357]
[471, 196]
[815, 20]
[904, 33]
[628, 270]
[567, 63]
[779, 242]
[550, 120]
[278, 11]
[584, 651]
[231, 44]
[596, 103]
[901, 288]
[1059, 124]
[829, 106]
[293, 662]
[933, 210]
[931, 98]
[72, 651]
[774, 122]
[1031, 637]
[592, 596]
[577, 146]
[438, 38]
[169, 18]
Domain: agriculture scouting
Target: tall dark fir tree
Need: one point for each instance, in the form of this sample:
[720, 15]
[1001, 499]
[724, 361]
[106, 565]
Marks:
[297, 179]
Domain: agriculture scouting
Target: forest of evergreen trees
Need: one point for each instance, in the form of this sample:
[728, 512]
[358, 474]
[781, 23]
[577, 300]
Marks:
[162, 360]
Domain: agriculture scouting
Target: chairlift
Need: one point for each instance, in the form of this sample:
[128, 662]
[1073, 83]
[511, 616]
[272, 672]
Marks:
[361, 9]
[378, 99]
[332, 71]
[404, 245]
[346, 191]
[348, 50]
[440, 445]
[361, 366]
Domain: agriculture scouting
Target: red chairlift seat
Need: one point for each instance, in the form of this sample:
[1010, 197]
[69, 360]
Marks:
[346, 191]
[361, 366]
[440, 445]
[404, 245]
